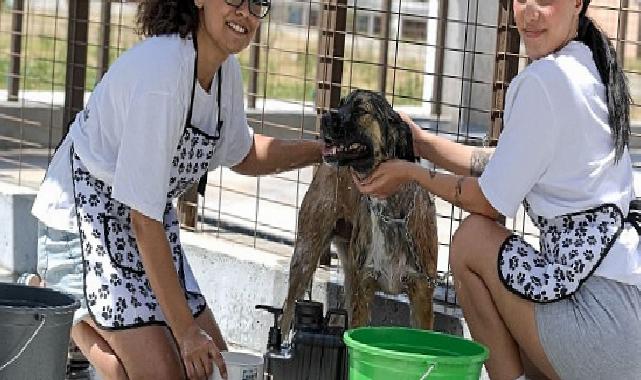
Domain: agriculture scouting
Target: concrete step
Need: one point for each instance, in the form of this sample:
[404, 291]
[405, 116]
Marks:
[6, 275]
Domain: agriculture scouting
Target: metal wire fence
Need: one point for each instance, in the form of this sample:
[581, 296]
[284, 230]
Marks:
[446, 63]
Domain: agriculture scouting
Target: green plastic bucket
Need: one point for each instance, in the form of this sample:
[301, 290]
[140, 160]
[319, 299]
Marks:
[385, 353]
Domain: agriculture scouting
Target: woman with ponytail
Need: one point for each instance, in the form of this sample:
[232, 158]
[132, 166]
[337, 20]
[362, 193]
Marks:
[569, 308]
[167, 111]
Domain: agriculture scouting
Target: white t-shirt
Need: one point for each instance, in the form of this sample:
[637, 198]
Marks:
[129, 131]
[557, 152]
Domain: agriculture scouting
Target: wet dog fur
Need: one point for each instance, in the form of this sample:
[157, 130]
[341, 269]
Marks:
[388, 245]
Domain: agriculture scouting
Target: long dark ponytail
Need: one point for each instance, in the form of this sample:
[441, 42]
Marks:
[161, 17]
[612, 76]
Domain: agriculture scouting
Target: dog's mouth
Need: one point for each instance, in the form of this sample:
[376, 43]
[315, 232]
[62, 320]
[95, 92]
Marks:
[336, 151]
[345, 143]
[345, 153]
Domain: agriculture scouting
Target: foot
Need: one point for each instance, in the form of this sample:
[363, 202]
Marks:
[29, 279]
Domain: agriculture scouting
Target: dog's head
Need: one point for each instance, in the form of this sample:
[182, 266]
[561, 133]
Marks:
[364, 132]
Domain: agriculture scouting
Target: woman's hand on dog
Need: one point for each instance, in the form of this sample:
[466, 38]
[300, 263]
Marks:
[416, 132]
[386, 179]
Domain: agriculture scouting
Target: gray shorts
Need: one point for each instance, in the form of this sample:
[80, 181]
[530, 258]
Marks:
[60, 265]
[596, 333]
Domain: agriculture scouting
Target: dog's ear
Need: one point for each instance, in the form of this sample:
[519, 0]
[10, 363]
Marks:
[404, 144]
[350, 98]
[394, 118]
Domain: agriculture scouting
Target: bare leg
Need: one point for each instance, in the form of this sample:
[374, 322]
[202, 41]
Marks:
[531, 371]
[147, 352]
[92, 346]
[105, 360]
[487, 326]
[98, 352]
[497, 318]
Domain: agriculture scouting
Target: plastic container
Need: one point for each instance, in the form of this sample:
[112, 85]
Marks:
[383, 353]
[34, 332]
[241, 366]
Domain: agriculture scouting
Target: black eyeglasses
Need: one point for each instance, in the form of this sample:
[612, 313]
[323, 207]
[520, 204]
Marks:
[258, 8]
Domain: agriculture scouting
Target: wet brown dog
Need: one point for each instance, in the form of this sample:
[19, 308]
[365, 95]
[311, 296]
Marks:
[389, 245]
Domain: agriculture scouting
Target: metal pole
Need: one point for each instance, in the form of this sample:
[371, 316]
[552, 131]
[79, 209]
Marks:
[76, 59]
[639, 31]
[13, 76]
[622, 30]
[384, 56]
[331, 53]
[506, 67]
[441, 37]
[105, 34]
[254, 62]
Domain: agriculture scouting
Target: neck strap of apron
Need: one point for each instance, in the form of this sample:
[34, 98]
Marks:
[219, 124]
[202, 183]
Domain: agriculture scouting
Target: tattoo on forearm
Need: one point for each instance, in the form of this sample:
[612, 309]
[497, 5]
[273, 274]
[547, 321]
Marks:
[479, 160]
[458, 191]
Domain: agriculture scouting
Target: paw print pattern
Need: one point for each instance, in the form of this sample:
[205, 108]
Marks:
[118, 292]
[91, 299]
[571, 247]
[107, 312]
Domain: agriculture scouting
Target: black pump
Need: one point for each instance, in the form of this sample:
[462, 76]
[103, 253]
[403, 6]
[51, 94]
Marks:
[317, 351]
[274, 341]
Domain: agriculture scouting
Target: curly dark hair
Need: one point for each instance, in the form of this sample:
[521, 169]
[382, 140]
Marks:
[161, 17]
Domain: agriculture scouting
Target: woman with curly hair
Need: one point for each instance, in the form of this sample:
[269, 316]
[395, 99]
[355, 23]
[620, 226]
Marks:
[167, 111]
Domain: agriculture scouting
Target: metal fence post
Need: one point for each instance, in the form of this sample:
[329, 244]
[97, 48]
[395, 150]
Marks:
[508, 43]
[622, 30]
[384, 56]
[639, 32]
[254, 67]
[441, 38]
[331, 53]
[76, 59]
[105, 37]
[13, 75]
